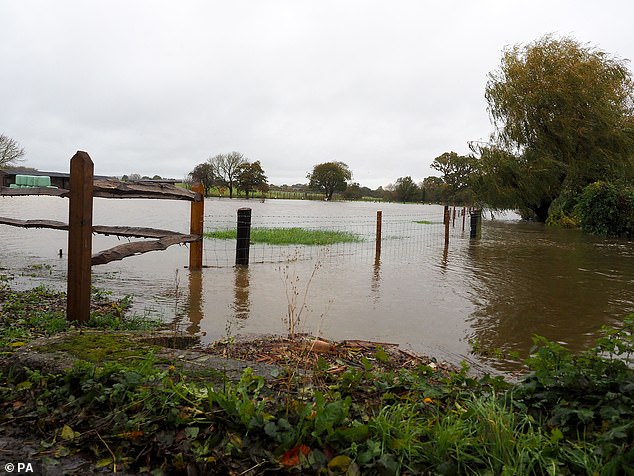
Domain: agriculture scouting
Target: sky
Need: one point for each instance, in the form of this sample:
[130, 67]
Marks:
[156, 87]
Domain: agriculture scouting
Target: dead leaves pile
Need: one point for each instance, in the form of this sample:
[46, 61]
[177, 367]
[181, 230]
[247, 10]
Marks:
[305, 352]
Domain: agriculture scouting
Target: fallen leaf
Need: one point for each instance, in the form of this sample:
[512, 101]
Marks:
[67, 433]
[340, 462]
[291, 457]
[102, 463]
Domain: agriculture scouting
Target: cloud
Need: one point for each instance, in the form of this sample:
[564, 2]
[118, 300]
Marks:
[157, 87]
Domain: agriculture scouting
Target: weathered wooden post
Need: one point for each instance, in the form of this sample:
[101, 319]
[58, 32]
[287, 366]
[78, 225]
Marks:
[196, 227]
[79, 238]
[453, 217]
[379, 224]
[446, 221]
[243, 236]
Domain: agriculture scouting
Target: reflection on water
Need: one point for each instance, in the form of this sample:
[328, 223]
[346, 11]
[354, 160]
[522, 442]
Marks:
[529, 279]
[516, 280]
[195, 301]
[241, 302]
[375, 283]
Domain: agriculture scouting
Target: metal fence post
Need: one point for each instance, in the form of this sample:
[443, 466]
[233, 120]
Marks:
[446, 220]
[379, 224]
[474, 223]
[243, 236]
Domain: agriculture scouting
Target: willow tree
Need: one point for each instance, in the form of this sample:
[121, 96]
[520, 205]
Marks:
[563, 118]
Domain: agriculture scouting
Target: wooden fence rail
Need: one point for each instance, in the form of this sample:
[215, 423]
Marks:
[83, 187]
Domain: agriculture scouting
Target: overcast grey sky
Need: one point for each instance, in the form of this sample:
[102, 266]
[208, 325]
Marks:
[156, 87]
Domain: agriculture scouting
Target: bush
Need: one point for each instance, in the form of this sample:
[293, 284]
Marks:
[562, 211]
[607, 209]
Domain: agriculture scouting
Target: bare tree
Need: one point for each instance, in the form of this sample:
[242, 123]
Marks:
[10, 151]
[227, 168]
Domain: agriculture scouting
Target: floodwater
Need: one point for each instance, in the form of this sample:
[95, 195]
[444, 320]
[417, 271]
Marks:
[516, 280]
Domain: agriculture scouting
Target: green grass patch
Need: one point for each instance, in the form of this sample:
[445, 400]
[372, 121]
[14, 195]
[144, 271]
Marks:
[38, 312]
[424, 222]
[97, 347]
[290, 236]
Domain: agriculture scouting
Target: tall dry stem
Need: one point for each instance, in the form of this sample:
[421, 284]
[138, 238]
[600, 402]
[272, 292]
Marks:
[296, 297]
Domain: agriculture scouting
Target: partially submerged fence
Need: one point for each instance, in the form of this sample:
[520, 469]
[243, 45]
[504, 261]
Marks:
[83, 187]
[392, 235]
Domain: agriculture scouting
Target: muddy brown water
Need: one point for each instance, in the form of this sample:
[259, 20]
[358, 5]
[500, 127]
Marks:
[518, 279]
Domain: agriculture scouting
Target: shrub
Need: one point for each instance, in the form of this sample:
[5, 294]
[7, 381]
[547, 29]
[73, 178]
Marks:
[607, 209]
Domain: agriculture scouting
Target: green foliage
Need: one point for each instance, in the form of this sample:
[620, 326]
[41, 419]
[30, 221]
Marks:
[590, 394]
[353, 191]
[329, 177]
[434, 190]
[250, 177]
[562, 211]
[205, 174]
[563, 116]
[456, 170]
[405, 190]
[289, 236]
[573, 414]
[607, 209]
[25, 315]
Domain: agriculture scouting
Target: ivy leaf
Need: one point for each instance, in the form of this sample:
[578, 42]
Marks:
[340, 463]
[67, 433]
[192, 432]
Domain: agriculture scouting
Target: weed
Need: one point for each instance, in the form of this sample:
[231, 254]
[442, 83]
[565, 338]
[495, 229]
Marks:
[296, 297]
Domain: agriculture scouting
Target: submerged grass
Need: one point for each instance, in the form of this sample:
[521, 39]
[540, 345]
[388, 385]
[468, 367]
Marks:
[290, 236]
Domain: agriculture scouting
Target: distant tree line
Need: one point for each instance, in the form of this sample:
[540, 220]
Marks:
[561, 152]
[231, 172]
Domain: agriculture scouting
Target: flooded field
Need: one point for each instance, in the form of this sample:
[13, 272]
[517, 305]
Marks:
[516, 280]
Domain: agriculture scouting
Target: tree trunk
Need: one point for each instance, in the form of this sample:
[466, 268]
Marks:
[541, 211]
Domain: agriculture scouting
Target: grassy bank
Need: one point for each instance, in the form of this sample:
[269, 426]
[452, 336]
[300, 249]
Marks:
[42, 312]
[364, 414]
[289, 236]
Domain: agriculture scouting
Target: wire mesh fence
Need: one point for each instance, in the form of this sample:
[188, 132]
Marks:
[400, 236]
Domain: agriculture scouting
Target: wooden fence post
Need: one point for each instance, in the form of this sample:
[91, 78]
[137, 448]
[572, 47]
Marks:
[196, 227]
[79, 238]
[379, 223]
[243, 236]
